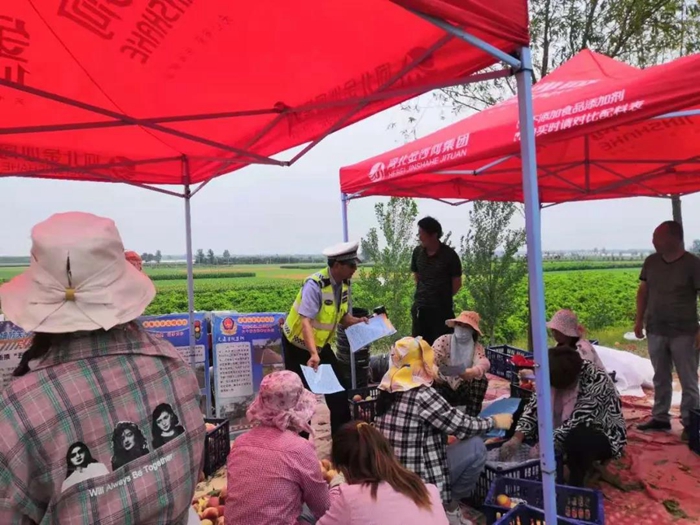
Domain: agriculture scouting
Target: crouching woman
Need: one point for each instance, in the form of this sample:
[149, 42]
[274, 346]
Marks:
[586, 411]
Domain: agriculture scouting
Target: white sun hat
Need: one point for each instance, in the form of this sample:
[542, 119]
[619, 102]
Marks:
[78, 279]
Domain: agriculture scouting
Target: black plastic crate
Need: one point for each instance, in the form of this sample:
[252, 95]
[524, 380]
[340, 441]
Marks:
[694, 431]
[366, 409]
[524, 515]
[520, 392]
[217, 446]
[500, 356]
[530, 470]
[579, 504]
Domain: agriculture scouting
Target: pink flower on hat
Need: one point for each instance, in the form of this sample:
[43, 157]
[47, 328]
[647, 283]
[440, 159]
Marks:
[566, 322]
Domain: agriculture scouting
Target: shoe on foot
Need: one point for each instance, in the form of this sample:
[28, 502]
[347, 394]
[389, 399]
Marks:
[654, 424]
[455, 517]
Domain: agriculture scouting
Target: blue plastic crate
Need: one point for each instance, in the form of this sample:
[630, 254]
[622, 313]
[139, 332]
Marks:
[524, 515]
[500, 356]
[520, 392]
[217, 446]
[694, 431]
[581, 505]
[366, 408]
[529, 470]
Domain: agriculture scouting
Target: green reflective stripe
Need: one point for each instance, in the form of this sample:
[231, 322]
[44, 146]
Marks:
[327, 327]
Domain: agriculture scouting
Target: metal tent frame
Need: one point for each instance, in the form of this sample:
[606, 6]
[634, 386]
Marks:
[522, 67]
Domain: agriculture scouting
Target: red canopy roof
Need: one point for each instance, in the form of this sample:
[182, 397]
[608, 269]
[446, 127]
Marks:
[595, 140]
[86, 84]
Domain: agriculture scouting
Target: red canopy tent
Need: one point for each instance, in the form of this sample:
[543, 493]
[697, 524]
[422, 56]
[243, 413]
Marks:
[604, 130]
[123, 90]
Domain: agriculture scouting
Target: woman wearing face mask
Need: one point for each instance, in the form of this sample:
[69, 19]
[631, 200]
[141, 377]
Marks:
[462, 364]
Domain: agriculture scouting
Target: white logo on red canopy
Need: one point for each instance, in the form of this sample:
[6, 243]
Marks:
[377, 172]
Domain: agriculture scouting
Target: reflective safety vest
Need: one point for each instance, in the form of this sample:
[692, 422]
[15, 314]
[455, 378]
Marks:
[328, 317]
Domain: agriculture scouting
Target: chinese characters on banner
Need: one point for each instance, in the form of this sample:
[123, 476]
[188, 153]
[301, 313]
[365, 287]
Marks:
[583, 112]
[246, 348]
[176, 329]
[14, 41]
[102, 18]
[421, 159]
[13, 342]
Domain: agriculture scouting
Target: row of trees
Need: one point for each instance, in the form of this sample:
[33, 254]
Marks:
[149, 257]
[227, 259]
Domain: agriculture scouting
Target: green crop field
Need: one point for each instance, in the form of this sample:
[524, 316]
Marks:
[601, 292]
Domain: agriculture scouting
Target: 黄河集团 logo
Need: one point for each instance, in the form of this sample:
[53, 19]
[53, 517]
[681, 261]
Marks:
[377, 172]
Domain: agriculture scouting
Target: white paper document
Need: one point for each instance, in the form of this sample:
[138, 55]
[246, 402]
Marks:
[323, 380]
[363, 334]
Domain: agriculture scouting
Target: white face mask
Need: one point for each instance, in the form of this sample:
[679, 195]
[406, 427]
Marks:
[461, 351]
[464, 334]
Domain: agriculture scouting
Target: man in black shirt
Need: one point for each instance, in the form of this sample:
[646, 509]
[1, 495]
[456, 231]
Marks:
[437, 270]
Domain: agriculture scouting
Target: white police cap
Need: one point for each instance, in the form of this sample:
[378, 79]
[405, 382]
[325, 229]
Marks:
[345, 251]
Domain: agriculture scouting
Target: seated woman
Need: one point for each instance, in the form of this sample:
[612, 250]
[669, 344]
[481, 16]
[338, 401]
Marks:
[462, 364]
[586, 411]
[271, 470]
[372, 488]
[416, 421]
[567, 331]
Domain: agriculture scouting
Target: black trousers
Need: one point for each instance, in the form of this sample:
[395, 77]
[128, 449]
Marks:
[429, 323]
[584, 446]
[338, 404]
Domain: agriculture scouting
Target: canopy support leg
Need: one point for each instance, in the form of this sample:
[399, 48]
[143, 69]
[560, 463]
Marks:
[346, 237]
[536, 281]
[190, 287]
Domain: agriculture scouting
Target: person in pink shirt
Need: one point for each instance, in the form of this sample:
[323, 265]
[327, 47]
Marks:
[273, 473]
[373, 488]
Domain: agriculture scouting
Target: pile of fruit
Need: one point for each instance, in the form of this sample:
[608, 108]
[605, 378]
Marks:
[327, 470]
[357, 397]
[210, 508]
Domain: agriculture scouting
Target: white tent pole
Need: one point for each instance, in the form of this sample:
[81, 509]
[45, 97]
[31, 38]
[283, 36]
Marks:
[346, 237]
[190, 285]
[534, 262]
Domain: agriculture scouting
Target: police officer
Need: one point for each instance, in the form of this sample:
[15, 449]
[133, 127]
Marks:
[320, 306]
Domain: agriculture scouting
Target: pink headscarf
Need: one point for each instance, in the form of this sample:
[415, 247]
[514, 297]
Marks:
[284, 403]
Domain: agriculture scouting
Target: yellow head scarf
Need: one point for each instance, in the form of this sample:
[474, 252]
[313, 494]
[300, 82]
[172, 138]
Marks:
[412, 365]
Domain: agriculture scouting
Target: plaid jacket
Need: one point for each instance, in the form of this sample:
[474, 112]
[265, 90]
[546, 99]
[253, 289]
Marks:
[106, 429]
[417, 426]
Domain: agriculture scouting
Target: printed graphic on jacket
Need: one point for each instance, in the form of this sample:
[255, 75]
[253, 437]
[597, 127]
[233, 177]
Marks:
[165, 425]
[81, 465]
[128, 443]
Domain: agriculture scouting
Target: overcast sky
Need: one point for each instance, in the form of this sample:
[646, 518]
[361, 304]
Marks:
[269, 210]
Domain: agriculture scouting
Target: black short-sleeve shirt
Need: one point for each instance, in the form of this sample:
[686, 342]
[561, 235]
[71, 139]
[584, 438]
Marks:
[435, 275]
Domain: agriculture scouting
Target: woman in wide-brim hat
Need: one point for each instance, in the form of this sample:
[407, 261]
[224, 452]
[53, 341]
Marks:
[462, 364]
[567, 332]
[94, 366]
